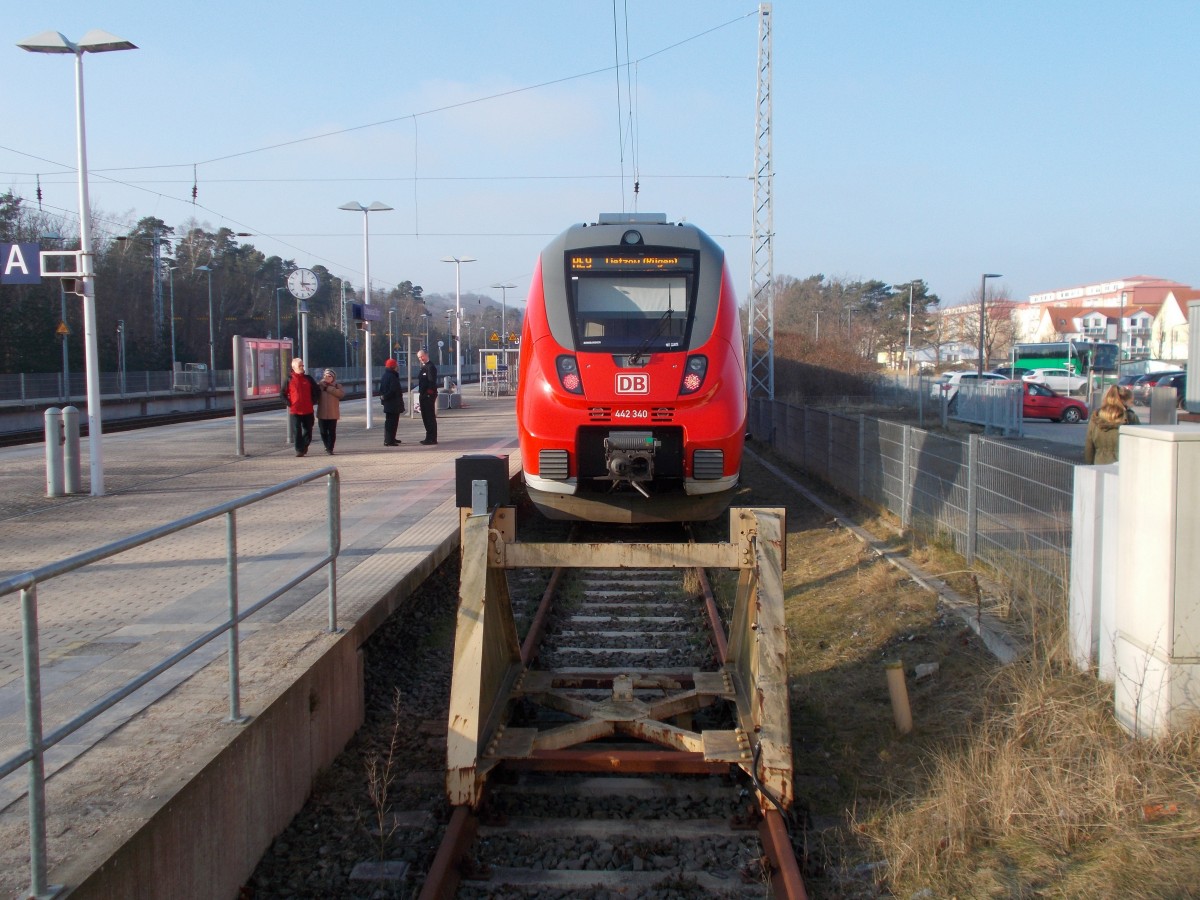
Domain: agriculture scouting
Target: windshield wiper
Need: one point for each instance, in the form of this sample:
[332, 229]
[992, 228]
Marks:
[635, 358]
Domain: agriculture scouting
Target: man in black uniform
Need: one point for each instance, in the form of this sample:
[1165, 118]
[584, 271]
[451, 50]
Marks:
[427, 390]
[391, 395]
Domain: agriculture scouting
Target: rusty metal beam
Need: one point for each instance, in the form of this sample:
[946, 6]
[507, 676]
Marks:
[441, 883]
[639, 761]
[786, 881]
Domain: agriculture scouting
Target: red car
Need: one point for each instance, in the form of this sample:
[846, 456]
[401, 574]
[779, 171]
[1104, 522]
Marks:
[1042, 402]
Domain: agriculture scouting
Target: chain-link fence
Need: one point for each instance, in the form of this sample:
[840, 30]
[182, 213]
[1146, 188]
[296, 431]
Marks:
[1007, 506]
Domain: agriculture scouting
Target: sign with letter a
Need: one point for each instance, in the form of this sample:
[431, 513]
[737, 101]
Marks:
[20, 264]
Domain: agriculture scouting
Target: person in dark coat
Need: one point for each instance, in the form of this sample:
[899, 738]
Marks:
[300, 394]
[391, 395]
[427, 391]
[329, 408]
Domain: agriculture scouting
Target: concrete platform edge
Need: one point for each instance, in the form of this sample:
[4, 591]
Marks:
[208, 834]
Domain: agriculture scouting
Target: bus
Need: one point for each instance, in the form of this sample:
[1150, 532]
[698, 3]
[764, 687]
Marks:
[1080, 357]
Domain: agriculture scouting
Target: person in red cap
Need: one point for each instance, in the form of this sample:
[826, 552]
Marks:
[391, 395]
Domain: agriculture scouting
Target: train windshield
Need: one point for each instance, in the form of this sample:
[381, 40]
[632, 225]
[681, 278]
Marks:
[625, 312]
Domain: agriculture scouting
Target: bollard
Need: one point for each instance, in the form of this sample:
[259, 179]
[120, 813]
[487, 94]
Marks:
[72, 479]
[901, 711]
[54, 452]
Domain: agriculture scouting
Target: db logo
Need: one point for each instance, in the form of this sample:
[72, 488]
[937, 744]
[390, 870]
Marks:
[638, 383]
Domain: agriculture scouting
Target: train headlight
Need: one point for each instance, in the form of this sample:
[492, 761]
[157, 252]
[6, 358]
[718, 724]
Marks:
[693, 374]
[568, 374]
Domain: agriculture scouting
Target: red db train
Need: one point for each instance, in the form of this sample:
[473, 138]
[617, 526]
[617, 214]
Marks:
[631, 399]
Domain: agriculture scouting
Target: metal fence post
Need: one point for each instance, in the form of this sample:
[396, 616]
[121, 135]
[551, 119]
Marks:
[972, 497]
[906, 477]
[334, 515]
[829, 445]
[862, 456]
[235, 694]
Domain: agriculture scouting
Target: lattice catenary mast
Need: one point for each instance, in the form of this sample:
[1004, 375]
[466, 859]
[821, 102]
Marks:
[760, 332]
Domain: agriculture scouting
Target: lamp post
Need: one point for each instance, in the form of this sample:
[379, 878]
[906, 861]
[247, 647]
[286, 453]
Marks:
[908, 352]
[983, 314]
[355, 206]
[458, 261]
[95, 41]
[504, 289]
[212, 355]
[171, 276]
[425, 316]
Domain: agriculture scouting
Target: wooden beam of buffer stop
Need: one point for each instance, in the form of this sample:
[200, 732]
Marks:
[489, 673]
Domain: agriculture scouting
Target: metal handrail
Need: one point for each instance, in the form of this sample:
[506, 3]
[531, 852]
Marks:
[26, 583]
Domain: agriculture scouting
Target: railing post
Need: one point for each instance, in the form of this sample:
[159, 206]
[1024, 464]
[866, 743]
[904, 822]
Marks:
[235, 695]
[334, 515]
[972, 497]
[33, 733]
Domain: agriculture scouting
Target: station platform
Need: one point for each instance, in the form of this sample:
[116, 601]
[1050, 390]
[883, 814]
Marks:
[168, 756]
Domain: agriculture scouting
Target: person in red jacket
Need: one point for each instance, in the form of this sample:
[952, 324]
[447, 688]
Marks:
[300, 394]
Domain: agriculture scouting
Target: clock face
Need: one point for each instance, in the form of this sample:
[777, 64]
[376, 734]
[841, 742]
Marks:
[302, 283]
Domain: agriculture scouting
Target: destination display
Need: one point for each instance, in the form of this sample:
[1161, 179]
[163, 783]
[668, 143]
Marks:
[616, 262]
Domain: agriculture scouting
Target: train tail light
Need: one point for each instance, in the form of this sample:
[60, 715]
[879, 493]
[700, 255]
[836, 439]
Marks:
[568, 374]
[693, 375]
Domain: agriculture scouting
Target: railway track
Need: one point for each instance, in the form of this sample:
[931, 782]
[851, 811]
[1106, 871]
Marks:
[626, 745]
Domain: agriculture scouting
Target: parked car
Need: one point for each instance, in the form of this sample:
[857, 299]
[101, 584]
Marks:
[1144, 385]
[947, 385]
[1061, 380]
[1178, 382]
[1127, 381]
[1008, 371]
[1042, 402]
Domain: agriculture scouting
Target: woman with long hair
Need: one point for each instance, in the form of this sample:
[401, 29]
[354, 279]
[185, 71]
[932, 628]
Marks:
[1102, 441]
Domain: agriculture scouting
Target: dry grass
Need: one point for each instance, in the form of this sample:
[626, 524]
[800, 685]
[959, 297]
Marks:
[1016, 781]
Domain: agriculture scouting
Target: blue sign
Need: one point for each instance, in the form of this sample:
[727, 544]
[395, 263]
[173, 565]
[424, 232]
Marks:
[20, 264]
[363, 312]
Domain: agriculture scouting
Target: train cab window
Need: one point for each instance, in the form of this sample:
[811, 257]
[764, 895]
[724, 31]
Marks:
[620, 312]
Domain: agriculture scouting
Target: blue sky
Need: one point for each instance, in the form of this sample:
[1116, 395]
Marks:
[1052, 141]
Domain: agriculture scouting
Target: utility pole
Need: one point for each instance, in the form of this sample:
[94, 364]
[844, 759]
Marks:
[760, 338]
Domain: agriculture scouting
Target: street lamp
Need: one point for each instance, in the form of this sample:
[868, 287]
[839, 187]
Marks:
[504, 289]
[908, 348]
[458, 261]
[95, 41]
[355, 206]
[212, 356]
[983, 314]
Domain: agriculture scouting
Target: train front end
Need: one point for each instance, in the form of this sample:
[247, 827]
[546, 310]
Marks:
[631, 401]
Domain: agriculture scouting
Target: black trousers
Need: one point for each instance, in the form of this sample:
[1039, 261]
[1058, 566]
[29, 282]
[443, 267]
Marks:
[328, 429]
[429, 416]
[391, 421]
[301, 430]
